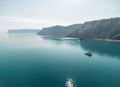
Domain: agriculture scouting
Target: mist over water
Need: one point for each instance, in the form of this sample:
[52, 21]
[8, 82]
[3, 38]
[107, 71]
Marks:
[28, 60]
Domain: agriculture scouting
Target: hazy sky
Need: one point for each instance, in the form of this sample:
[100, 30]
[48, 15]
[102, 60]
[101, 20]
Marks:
[16, 14]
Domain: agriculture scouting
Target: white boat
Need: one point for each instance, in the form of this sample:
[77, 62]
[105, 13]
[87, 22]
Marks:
[69, 83]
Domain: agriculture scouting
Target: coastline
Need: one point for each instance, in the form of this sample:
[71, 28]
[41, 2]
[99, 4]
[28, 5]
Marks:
[107, 40]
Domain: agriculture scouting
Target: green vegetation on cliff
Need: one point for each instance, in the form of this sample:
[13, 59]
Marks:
[59, 31]
[98, 29]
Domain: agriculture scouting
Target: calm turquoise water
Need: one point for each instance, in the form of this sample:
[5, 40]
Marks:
[35, 61]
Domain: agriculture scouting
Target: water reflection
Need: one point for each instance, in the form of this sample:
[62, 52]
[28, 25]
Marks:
[59, 40]
[111, 49]
[102, 47]
[52, 60]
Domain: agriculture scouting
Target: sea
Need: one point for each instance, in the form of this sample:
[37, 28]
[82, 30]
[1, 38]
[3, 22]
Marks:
[30, 60]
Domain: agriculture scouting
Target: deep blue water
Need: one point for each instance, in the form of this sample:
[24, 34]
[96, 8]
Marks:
[28, 60]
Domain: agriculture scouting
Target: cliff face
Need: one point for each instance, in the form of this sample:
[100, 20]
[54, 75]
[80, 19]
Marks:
[59, 31]
[100, 29]
[23, 31]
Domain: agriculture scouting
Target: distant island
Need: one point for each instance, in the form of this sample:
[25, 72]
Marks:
[98, 29]
[23, 31]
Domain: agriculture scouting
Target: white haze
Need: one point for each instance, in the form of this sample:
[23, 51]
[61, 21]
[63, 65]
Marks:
[15, 14]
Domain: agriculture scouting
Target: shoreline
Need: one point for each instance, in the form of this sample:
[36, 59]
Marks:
[108, 40]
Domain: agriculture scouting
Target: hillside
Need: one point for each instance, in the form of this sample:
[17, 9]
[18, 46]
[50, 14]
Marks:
[59, 31]
[100, 29]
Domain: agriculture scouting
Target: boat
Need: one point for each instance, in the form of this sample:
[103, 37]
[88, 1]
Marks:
[89, 54]
[69, 83]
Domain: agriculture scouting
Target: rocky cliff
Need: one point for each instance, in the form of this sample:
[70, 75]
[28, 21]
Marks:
[100, 29]
[59, 31]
